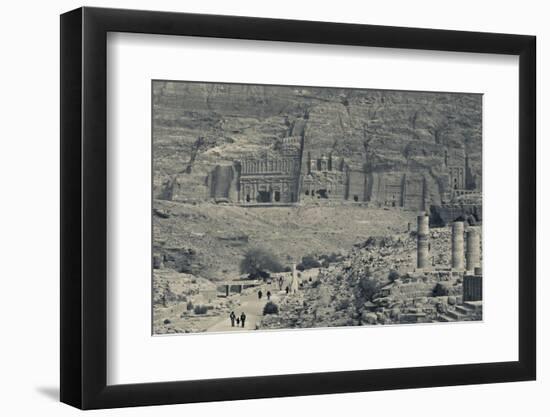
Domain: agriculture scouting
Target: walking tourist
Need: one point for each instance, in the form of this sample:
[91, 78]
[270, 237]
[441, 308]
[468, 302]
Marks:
[268, 295]
[243, 318]
[260, 295]
[232, 317]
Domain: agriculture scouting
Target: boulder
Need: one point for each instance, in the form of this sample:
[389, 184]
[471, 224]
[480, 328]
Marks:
[369, 318]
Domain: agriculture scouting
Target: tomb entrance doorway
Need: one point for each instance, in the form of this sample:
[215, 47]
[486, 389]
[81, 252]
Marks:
[264, 197]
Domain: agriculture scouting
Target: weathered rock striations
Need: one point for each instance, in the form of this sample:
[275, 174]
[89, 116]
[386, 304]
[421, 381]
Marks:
[407, 149]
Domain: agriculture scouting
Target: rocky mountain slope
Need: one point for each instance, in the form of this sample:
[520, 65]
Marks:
[197, 126]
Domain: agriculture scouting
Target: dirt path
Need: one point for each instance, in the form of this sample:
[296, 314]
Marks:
[252, 308]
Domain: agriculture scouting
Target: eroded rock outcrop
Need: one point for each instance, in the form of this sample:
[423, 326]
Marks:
[399, 148]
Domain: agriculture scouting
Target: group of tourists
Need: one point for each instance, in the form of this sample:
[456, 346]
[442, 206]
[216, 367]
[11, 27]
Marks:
[237, 319]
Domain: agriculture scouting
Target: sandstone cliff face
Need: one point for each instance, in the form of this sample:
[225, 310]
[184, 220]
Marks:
[399, 139]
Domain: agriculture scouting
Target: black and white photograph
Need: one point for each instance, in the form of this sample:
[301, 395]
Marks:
[296, 207]
[275, 208]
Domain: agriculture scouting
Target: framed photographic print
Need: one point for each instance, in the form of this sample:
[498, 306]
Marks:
[257, 208]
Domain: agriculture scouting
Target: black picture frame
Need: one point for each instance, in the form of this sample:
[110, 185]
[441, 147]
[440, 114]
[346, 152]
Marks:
[84, 207]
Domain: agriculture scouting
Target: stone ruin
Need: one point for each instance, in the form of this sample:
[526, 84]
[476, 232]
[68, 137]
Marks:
[273, 177]
[457, 246]
[289, 173]
[469, 272]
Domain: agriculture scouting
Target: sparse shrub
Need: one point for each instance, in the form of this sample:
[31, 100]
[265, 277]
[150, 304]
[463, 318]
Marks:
[287, 269]
[257, 262]
[441, 289]
[271, 308]
[200, 309]
[166, 321]
[180, 260]
[308, 262]
[343, 305]
[315, 284]
[333, 257]
[261, 274]
[393, 275]
[189, 306]
[367, 288]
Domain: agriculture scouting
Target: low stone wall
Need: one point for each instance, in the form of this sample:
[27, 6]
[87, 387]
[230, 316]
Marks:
[444, 215]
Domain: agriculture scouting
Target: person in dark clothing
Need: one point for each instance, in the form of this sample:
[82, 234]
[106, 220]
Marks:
[243, 318]
[287, 289]
[268, 295]
[232, 317]
[280, 283]
[238, 321]
[260, 294]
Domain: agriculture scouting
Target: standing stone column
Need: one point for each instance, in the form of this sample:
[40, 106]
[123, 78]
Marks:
[294, 283]
[422, 242]
[457, 242]
[472, 250]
